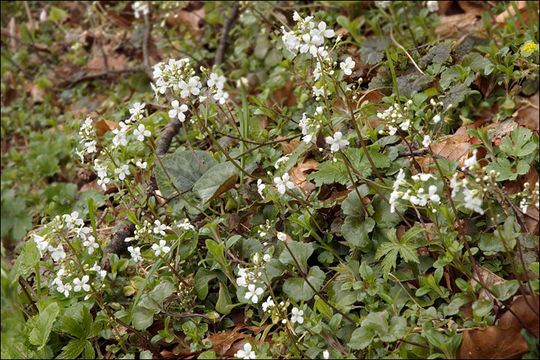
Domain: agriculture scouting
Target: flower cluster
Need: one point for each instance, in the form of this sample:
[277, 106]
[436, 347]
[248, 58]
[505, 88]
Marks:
[140, 8]
[529, 197]
[336, 142]
[415, 194]
[251, 278]
[177, 75]
[396, 117]
[216, 83]
[283, 183]
[87, 134]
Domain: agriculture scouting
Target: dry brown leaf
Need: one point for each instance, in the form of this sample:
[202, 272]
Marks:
[509, 12]
[222, 342]
[531, 219]
[192, 19]
[504, 340]
[452, 147]
[103, 126]
[452, 24]
[288, 146]
[286, 92]
[488, 278]
[527, 115]
[115, 61]
[300, 172]
[474, 7]
[36, 94]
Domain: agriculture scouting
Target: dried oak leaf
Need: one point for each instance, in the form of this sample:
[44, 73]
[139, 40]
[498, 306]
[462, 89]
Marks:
[452, 147]
[287, 146]
[527, 114]
[300, 172]
[103, 126]
[193, 20]
[504, 340]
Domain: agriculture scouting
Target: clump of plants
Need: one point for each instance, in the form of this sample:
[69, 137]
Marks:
[346, 183]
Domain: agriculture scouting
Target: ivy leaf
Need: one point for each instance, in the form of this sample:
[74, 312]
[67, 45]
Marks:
[330, 172]
[218, 179]
[356, 231]
[478, 63]
[184, 168]
[301, 251]
[372, 49]
[298, 289]
[518, 144]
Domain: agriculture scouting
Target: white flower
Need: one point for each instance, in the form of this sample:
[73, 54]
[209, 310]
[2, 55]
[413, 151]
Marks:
[472, 202]
[280, 160]
[432, 6]
[215, 80]
[136, 111]
[72, 220]
[260, 187]
[427, 140]
[318, 92]
[221, 96]
[267, 257]
[97, 269]
[122, 171]
[62, 288]
[41, 243]
[81, 284]
[326, 354]
[161, 248]
[281, 236]
[178, 111]
[470, 162]
[160, 228]
[135, 253]
[337, 142]
[140, 7]
[253, 293]
[391, 130]
[185, 225]
[120, 135]
[246, 352]
[91, 244]
[383, 4]
[347, 66]
[283, 183]
[82, 232]
[436, 118]
[432, 194]
[268, 304]
[90, 147]
[297, 315]
[422, 177]
[141, 165]
[140, 132]
[193, 86]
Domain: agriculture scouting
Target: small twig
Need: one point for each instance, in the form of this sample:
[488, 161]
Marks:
[223, 41]
[404, 50]
[98, 75]
[20, 350]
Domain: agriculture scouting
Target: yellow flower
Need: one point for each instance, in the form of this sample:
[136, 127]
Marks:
[528, 48]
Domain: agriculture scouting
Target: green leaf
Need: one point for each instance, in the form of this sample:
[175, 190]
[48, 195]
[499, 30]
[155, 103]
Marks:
[274, 268]
[351, 205]
[330, 172]
[356, 231]
[202, 278]
[361, 338]
[481, 308]
[26, 262]
[142, 315]
[436, 55]
[298, 289]
[184, 169]
[376, 321]
[73, 349]
[142, 318]
[518, 144]
[301, 251]
[57, 14]
[218, 252]
[455, 95]
[89, 352]
[504, 167]
[224, 304]
[40, 333]
[372, 49]
[218, 179]
[398, 329]
[323, 308]
[412, 83]
[505, 290]
[478, 63]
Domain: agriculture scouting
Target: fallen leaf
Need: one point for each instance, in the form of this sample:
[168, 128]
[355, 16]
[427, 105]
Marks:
[510, 12]
[488, 278]
[103, 126]
[192, 19]
[284, 94]
[453, 24]
[115, 61]
[452, 147]
[474, 7]
[300, 172]
[527, 114]
[288, 146]
[504, 340]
